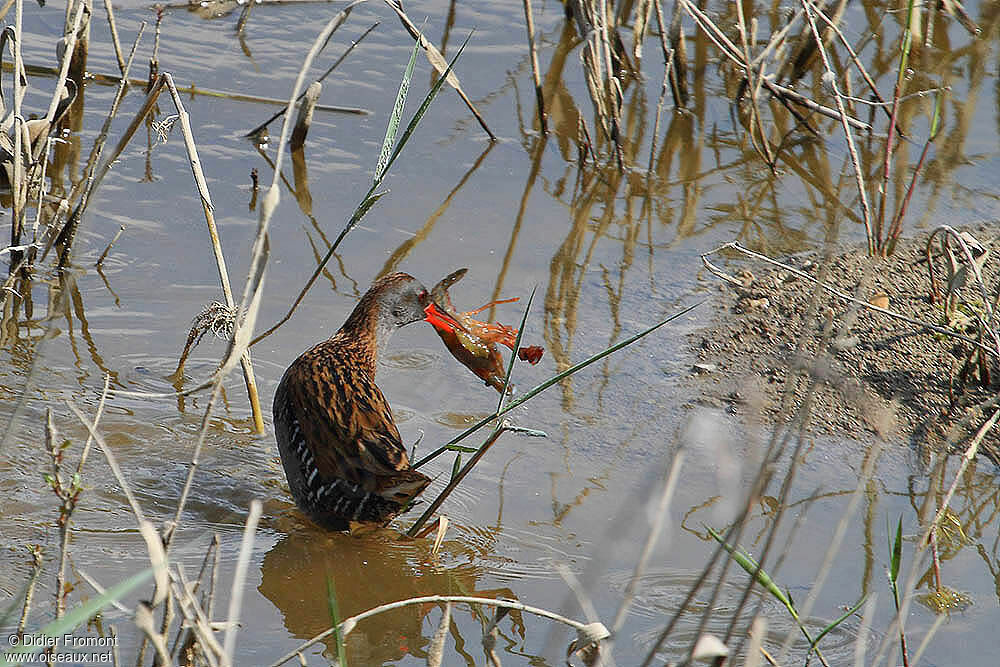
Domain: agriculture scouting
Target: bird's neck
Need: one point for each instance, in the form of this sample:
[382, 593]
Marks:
[366, 332]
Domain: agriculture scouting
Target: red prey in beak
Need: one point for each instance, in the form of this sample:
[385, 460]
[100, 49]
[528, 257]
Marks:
[441, 319]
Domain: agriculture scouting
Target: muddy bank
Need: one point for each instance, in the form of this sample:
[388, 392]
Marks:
[875, 375]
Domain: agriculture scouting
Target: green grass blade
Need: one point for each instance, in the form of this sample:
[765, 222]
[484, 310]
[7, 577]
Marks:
[517, 346]
[551, 381]
[747, 562]
[331, 601]
[897, 552]
[418, 116]
[84, 612]
[397, 113]
[846, 615]
[457, 466]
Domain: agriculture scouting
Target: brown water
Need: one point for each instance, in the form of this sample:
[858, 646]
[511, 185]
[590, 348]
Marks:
[609, 253]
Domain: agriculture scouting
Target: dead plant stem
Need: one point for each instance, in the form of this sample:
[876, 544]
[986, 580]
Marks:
[220, 261]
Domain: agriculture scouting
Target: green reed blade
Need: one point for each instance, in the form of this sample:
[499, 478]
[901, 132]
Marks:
[422, 109]
[397, 113]
[517, 346]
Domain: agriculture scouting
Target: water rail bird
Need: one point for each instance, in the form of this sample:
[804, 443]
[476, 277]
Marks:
[339, 446]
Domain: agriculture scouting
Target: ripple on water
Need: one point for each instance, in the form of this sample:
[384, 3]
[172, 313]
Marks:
[660, 594]
[416, 359]
[457, 419]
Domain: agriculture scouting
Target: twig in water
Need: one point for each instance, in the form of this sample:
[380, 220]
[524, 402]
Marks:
[107, 249]
[304, 119]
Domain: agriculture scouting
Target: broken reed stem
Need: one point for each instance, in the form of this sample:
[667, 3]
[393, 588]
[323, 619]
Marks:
[213, 232]
[107, 249]
[284, 107]
[305, 116]
[456, 480]
[348, 624]
[114, 36]
[244, 17]
[530, 22]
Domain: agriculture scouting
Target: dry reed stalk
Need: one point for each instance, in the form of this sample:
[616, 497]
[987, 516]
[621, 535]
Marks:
[220, 260]
[831, 79]
[114, 36]
[439, 63]
[754, 83]
[529, 21]
[239, 578]
[304, 119]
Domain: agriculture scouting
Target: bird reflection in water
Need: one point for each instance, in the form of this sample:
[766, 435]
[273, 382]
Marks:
[369, 571]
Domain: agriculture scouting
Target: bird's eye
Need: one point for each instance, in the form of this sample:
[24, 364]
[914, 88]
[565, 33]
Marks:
[423, 295]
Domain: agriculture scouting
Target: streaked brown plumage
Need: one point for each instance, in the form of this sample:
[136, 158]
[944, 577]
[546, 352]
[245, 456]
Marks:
[340, 448]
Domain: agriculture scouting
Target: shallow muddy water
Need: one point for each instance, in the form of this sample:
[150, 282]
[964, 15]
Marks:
[609, 253]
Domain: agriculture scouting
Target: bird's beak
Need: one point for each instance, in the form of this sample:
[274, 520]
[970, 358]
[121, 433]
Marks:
[440, 319]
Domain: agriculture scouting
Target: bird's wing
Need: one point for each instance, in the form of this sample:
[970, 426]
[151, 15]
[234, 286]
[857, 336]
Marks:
[347, 423]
